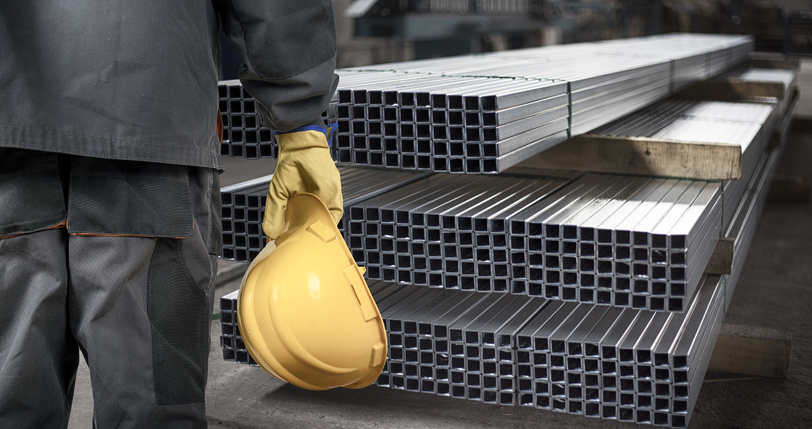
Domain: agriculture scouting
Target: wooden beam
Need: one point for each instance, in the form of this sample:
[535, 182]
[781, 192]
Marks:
[752, 351]
[642, 156]
[721, 262]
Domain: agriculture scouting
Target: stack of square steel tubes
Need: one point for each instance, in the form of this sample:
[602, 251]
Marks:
[748, 125]
[485, 113]
[747, 74]
[734, 190]
[629, 365]
[458, 124]
[612, 240]
[490, 284]
[596, 361]
[244, 205]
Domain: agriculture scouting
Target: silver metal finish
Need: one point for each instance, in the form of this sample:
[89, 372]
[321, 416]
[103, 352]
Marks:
[747, 125]
[609, 240]
[465, 114]
[638, 244]
[244, 206]
[628, 365]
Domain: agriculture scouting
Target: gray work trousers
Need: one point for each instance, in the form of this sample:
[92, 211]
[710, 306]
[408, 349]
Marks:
[138, 308]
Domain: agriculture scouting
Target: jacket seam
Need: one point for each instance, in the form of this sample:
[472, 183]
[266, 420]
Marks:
[110, 155]
[11, 127]
[63, 224]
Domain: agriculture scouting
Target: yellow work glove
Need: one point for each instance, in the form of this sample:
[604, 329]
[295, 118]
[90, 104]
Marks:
[304, 166]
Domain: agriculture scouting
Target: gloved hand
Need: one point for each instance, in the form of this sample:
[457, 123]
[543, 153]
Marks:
[304, 165]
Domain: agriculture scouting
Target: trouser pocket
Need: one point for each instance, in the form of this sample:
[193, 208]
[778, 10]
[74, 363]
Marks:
[113, 197]
[31, 197]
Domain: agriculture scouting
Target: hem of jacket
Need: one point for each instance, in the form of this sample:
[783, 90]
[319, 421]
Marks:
[61, 224]
[130, 150]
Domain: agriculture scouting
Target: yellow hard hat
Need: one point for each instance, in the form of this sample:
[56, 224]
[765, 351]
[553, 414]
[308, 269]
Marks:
[305, 312]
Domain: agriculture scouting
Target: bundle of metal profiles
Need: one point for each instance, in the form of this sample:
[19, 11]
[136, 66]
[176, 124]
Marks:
[749, 125]
[434, 232]
[244, 205]
[629, 365]
[605, 362]
[447, 123]
[612, 240]
[693, 63]
[779, 124]
[745, 219]
[485, 113]
[747, 74]
[779, 121]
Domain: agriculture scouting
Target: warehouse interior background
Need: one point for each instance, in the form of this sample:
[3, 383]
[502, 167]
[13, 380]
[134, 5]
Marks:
[775, 288]
[374, 32]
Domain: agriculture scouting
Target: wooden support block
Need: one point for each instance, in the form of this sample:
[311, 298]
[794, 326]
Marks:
[789, 189]
[643, 156]
[721, 262]
[752, 351]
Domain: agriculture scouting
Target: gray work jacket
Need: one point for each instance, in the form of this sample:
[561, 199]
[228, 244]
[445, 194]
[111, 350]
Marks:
[137, 80]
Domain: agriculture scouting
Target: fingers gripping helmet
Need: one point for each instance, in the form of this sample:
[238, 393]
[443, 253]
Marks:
[305, 312]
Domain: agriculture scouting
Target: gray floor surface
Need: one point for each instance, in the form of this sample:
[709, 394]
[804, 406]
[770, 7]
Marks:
[775, 291]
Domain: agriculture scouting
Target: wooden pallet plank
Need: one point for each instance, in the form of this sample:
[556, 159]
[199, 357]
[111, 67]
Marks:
[721, 262]
[642, 156]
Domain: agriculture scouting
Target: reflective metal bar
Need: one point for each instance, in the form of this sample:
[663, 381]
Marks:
[422, 99]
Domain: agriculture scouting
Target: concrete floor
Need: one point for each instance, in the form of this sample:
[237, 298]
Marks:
[775, 291]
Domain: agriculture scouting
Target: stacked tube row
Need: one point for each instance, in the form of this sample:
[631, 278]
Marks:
[485, 113]
[602, 239]
[611, 240]
[595, 361]
[742, 228]
[244, 206]
[457, 124]
[601, 362]
[695, 56]
[778, 125]
[605, 79]
[747, 74]
[747, 125]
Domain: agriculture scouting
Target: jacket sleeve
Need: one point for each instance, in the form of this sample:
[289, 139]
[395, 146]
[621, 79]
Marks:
[289, 49]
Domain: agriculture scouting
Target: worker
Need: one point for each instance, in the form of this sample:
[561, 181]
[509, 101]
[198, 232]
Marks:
[109, 190]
